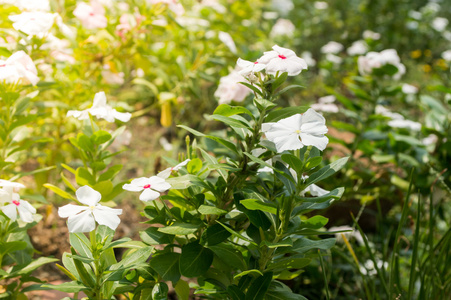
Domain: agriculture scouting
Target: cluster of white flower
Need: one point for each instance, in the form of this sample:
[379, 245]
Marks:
[326, 104]
[279, 60]
[398, 120]
[375, 60]
[18, 66]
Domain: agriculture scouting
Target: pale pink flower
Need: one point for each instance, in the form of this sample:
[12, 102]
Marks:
[11, 204]
[91, 16]
[357, 48]
[18, 66]
[283, 27]
[101, 110]
[326, 104]
[282, 60]
[332, 47]
[375, 60]
[228, 41]
[230, 88]
[247, 67]
[33, 23]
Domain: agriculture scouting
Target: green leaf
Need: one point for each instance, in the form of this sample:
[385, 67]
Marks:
[229, 255]
[286, 89]
[315, 222]
[235, 293]
[289, 263]
[215, 234]
[253, 88]
[179, 228]
[83, 177]
[160, 291]
[211, 210]
[212, 161]
[166, 265]
[263, 104]
[100, 137]
[313, 162]
[152, 236]
[224, 142]
[85, 143]
[194, 166]
[36, 263]
[8, 247]
[67, 287]
[285, 243]
[182, 290]
[180, 182]
[195, 260]
[279, 80]
[304, 244]
[233, 121]
[327, 171]
[110, 173]
[104, 187]
[259, 286]
[258, 160]
[135, 258]
[279, 291]
[236, 234]
[293, 161]
[59, 191]
[227, 110]
[81, 243]
[253, 272]
[255, 204]
[283, 113]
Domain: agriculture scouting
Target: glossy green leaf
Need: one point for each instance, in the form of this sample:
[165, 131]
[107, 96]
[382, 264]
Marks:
[327, 171]
[255, 204]
[195, 260]
[179, 228]
[227, 110]
[166, 265]
[59, 191]
[259, 286]
[229, 255]
[288, 263]
[182, 290]
[211, 210]
[215, 234]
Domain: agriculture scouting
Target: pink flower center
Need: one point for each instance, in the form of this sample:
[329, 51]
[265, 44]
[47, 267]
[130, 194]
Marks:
[91, 14]
[16, 203]
[4, 65]
[255, 62]
[282, 56]
[147, 186]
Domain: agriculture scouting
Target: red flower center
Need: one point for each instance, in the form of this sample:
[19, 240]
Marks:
[282, 56]
[146, 186]
[255, 62]
[4, 65]
[91, 14]
[16, 203]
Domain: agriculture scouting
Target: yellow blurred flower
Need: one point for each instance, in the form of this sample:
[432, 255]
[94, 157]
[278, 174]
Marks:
[415, 54]
[427, 68]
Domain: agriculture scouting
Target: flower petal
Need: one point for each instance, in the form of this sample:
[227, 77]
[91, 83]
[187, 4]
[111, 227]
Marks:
[70, 209]
[107, 216]
[288, 142]
[87, 195]
[159, 184]
[319, 142]
[26, 211]
[10, 211]
[148, 195]
[83, 222]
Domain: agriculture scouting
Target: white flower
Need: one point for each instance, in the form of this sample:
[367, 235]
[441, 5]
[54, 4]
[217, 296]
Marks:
[151, 187]
[439, 24]
[33, 23]
[167, 172]
[230, 88]
[282, 6]
[282, 60]
[332, 47]
[430, 140]
[101, 110]
[409, 89]
[91, 16]
[375, 60]
[335, 59]
[408, 124]
[298, 130]
[14, 205]
[326, 104]
[248, 67]
[311, 62]
[33, 5]
[228, 41]
[18, 66]
[320, 5]
[283, 27]
[83, 218]
[369, 269]
[348, 235]
[371, 35]
[446, 55]
[110, 77]
[313, 189]
[357, 48]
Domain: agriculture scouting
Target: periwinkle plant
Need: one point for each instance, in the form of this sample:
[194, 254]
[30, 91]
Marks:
[234, 219]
